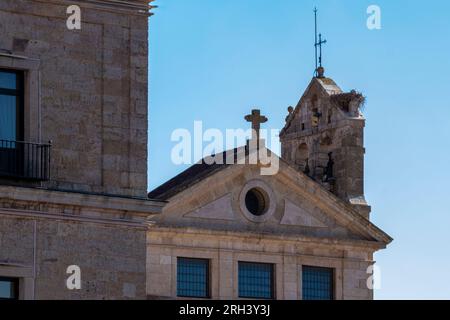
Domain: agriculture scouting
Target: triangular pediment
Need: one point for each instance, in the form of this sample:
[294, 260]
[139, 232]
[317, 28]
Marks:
[297, 206]
[216, 210]
[295, 215]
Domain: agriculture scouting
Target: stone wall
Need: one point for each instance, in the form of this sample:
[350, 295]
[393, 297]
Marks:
[191, 227]
[112, 260]
[86, 92]
[225, 250]
[88, 89]
[42, 233]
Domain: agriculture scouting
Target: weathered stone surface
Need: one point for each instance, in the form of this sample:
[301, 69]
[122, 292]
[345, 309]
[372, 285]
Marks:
[325, 121]
[48, 231]
[86, 91]
[162, 259]
[92, 88]
[309, 227]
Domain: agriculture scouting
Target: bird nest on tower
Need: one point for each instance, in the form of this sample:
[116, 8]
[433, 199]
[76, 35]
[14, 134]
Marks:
[343, 100]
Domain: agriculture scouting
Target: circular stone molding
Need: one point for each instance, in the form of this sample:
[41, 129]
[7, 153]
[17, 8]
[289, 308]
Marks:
[257, 201]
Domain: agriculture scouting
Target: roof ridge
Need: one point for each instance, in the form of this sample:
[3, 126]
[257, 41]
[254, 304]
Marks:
[200, 170]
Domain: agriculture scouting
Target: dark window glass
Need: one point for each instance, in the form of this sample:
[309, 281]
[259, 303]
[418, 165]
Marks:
[317, 283]
[193, 278]
[11, 106]
[256, 280]
[9, 288]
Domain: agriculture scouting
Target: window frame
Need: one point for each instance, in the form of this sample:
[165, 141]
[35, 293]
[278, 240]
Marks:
[19, 93]
[16, 287]
[332, 282]
[207, 280]
[272, 280]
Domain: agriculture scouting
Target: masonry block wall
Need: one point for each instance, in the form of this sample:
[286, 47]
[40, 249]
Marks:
[191, 227]
[91, 87]
[47, 247]
[224, 253]
[43, 232]
[86, 91]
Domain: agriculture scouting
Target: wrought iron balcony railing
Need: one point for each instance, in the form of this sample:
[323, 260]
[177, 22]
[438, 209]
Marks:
[25, 160]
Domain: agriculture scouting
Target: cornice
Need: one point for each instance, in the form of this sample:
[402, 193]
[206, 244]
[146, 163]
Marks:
[140, 5]
[248, 235]
[137, 7]
[133, 206]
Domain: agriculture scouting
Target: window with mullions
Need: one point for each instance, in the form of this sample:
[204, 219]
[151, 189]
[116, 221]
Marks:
[193, 278]
[11, 106]
[9, 288]
[256, 280]
[317, 283]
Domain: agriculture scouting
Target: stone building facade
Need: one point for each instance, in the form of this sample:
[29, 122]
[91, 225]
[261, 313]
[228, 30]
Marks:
[73, 149]
[303, 233]
[73, 179]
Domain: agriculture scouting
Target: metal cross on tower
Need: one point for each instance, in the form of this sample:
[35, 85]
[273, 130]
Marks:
[318, 44]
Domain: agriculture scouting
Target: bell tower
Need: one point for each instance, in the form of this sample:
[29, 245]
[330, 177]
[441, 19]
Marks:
[323, 137]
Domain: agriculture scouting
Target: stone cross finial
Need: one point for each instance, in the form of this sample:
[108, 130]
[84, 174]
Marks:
[256, 119]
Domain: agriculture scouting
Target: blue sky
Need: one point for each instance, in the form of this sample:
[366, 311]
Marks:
[214, 60]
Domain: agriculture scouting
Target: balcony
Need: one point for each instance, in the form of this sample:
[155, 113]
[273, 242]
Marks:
[25, 160]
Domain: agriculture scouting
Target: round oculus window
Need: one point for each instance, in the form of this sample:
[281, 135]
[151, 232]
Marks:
[256, 201]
